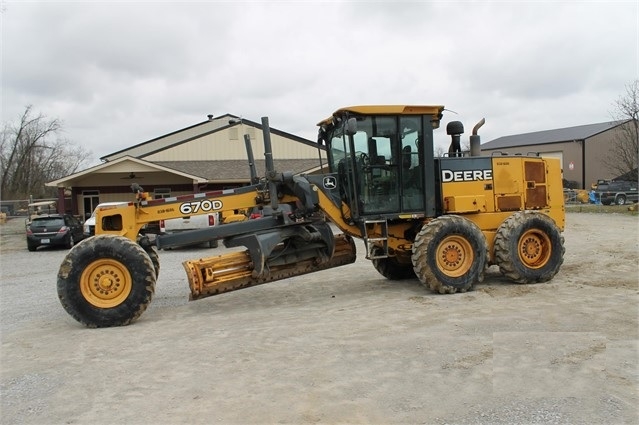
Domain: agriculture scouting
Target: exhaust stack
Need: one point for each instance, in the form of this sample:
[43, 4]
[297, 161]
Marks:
[475, 140]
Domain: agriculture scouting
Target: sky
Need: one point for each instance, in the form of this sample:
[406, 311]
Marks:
[119, 73]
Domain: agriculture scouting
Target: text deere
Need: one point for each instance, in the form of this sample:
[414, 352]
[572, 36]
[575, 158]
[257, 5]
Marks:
[466, 175]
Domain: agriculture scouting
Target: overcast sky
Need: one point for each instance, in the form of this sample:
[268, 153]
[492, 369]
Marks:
[121, 73]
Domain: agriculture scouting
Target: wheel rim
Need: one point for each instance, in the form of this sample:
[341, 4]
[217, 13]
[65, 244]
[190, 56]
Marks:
[106, 283]
[455, 256]
[534, 249]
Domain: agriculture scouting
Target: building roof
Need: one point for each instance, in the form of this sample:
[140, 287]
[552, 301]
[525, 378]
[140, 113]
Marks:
[568, 134]
[234, 170]
[132, 160]
[187, 134]
[123, 165]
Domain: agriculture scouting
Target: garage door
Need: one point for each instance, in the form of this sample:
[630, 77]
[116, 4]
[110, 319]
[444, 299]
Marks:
[559, 155]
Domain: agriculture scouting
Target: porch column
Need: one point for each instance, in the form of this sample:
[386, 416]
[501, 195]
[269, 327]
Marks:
[74, 200]
[60, 204]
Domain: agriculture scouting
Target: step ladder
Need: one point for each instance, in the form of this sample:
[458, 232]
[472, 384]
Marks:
[373, 242]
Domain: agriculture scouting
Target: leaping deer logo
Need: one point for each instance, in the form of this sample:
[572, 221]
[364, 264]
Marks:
[330, 182]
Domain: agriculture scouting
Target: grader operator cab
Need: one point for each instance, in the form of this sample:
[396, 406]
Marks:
[440, 220]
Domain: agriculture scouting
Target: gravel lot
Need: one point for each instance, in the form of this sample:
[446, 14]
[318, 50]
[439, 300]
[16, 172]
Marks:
[339, 346]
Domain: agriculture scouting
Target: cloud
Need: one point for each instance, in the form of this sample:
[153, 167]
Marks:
[120, 73]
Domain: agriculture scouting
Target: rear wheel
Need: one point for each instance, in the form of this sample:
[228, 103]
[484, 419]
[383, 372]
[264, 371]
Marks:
[450, 254]
[106, 281]
[529, 247]
[390, 268]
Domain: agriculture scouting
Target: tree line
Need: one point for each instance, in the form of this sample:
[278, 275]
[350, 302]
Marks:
[32, 153]
[623, 156]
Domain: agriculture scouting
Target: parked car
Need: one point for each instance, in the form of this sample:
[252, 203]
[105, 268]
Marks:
[54, 230]
[89, 224]
[616, 192]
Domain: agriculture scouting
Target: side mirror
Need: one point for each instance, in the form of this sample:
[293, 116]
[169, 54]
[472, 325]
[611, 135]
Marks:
[351, 126]
[321, 136]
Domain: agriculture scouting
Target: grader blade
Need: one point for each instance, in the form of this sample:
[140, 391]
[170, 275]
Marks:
[229, 272]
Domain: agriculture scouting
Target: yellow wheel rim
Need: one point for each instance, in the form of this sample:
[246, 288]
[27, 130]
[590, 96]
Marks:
[455, 256]
[534, 249]
[106, 283]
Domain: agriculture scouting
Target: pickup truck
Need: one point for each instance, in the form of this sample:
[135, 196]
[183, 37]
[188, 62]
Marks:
[194, 222]
[616, 192]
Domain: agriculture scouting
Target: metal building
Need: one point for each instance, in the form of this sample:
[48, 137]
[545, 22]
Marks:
[581, 149]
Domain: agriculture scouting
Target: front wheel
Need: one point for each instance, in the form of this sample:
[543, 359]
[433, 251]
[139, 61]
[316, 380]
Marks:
[152, 252]
[529, 247]
[621, 200]
[106, 281]
[450, 254]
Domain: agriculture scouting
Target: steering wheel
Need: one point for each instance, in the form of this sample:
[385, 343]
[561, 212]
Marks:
[363, 159]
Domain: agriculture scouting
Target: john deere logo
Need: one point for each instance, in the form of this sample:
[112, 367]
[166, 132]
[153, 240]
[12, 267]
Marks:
[466, 175]
[330, 182]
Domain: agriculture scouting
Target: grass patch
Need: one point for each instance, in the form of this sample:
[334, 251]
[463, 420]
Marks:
[603, 209]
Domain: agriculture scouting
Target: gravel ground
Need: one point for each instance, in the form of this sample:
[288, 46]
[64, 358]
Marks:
[339, 346]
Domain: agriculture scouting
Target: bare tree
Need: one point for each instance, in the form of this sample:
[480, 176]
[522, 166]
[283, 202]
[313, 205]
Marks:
[439, 151]
[32, 153]
[624, 152]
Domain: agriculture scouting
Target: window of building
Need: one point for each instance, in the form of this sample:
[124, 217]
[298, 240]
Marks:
[90, 200]
[162, 192]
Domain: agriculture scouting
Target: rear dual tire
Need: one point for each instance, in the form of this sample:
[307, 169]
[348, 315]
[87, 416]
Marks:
[450, 254]
[529, 247]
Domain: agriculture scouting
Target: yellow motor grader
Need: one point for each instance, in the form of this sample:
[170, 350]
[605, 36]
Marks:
[440, 220]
